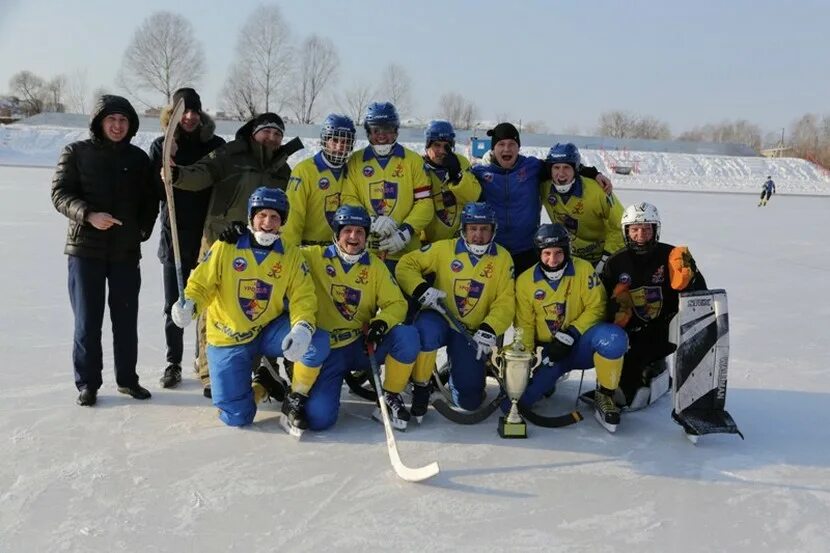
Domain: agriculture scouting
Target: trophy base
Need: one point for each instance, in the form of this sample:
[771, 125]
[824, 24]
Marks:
[512, 429]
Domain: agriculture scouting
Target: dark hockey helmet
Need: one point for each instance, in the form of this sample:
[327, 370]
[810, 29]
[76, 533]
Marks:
[564, 153]
[347, 215]
[342, 128]
[381, 114]
[439, 130]
[553, 235]
[268, 198]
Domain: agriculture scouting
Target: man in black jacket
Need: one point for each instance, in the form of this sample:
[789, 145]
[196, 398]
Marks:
[195, 139]
[103, 185]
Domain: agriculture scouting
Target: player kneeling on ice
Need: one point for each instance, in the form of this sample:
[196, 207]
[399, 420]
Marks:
[355, 290]
[643, 282]
[475, 275]
[560, 305]
[243, 288]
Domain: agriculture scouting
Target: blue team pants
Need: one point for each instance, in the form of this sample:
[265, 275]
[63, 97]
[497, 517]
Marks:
[467, 374]
[230, 368]
[608, 340]
[88, 281]
[323, 404]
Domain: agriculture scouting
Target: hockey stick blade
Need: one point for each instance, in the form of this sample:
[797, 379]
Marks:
[556, 421]
[410, 474]
[466, 417]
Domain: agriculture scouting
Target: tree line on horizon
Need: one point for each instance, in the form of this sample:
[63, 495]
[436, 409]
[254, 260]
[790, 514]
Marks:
[271, 72]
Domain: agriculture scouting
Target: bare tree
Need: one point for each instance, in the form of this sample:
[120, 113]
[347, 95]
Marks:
[240, 94]
[55, 91]
[739, 132]
[459, 111]
[355, 100]
[616, 124]
[163, 55]
[30, 89]
[97, 93]
[317, 69]
[263, 62]
[396, 86]
[535, 127]
[650, 127]
[76, 92]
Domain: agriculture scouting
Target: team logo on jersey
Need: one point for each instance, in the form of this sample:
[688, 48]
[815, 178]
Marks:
[331, 271]
[488, 270]
[467, 292]
[659, 275]
[554, 316]
[648, 301]
[332, 202]
[346, 300]
[522, 175]
[254, 296]
[624, 278]
[578, 208]
[363, 276]
[446, 208]
[488, 177]
[368, 171]
[239, 264]
[323, 183]
[456, 266]
[275, 270]
[398, 172]
[552, 199]
[383, 195]
[539, 294]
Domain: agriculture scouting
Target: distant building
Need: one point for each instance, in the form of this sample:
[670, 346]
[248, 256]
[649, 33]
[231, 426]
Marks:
[152, 112]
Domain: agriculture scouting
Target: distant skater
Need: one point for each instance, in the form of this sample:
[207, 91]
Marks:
[767, 190]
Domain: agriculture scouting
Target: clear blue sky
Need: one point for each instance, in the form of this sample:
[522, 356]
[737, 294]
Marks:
[563, 63]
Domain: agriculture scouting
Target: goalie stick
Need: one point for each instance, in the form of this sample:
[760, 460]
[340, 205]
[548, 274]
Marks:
[409, 474]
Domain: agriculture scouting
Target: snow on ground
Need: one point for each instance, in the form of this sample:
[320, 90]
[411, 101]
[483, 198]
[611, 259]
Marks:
[166, 475]
[40, 145]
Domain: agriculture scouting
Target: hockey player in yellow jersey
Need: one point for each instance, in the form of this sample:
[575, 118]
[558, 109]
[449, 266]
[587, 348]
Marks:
[560, 305]
[243, 288]
[581, 206]
[315, 184]
[390, 182]
[453, 184]
[475, 276]
[355, 289]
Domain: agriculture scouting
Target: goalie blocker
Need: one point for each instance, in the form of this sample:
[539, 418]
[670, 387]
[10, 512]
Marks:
[701, 362]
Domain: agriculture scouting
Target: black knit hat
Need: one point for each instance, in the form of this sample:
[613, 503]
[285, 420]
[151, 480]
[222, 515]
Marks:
[268, 121]
[191, 99]
[503, 131]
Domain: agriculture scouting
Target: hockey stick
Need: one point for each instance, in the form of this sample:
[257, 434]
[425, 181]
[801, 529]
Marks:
[167, 158]
[407, 473]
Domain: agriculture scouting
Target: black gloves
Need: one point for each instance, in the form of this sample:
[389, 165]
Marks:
[377, 330]
[560, 347]
[233, 232]
[453, 166]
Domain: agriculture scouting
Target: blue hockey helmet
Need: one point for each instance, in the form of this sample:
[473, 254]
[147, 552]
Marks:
[439, 130]
[268, 198]
[382, 114]
[350, 215]
[564, 153]
[553, 235]
[478, 213]
[339, 127]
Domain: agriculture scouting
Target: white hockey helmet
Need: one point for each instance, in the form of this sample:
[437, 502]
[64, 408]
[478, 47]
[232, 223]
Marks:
[641, 213]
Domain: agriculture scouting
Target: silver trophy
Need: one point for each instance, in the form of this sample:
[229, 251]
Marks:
[514, 369]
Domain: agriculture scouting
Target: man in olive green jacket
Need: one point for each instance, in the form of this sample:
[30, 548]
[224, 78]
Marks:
[256, 157]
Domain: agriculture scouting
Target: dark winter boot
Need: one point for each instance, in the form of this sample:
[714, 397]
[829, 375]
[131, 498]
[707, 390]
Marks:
[420, 399]
[87, 397]
[172, 376]
[398, 415]
[293, 409]
[136, 391]
[605, 409]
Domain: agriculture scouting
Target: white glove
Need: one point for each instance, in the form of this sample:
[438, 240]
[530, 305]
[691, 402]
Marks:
[182, 312]
[431, 297]
[396, 241]
[296, 342]
[485, 342]
[383, 226]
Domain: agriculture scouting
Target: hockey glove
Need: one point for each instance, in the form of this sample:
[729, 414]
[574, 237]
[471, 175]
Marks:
[377, 330]
[233, 232]
[383, 226]
[560, 347]
[453, 166]
[296, 342]
[601, 263]
[429, 297]
[485, 340]
[396, 241]
[182, 312]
